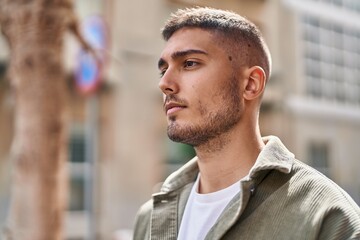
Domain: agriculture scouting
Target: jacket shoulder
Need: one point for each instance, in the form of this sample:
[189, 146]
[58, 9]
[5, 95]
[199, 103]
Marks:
[319, 187]
[327, 203]
[142, 221]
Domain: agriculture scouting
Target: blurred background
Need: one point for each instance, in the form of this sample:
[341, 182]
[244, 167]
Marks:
[118, 149]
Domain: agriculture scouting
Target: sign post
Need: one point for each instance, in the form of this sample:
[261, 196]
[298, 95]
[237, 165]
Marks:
[88, 78]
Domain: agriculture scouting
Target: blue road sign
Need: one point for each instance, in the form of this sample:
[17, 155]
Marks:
[89, 69]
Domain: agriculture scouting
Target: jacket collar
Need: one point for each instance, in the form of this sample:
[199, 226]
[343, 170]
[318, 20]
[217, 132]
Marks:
[274, 156]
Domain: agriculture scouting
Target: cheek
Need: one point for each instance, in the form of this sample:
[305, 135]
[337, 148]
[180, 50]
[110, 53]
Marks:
[207, 98]
[202, 108]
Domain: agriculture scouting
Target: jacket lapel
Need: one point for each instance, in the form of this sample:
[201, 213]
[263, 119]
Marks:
[164, 222]
[232, 212]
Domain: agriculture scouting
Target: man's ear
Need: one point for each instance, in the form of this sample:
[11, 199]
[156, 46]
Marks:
[254, 83]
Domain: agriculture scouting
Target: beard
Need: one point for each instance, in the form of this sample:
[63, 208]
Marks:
[215, 123]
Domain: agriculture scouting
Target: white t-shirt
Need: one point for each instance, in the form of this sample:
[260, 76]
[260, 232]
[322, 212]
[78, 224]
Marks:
[202, 211]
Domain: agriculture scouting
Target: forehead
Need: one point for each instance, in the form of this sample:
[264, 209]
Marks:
[191, 38]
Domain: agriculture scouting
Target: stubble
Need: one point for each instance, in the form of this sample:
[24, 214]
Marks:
[215, 123]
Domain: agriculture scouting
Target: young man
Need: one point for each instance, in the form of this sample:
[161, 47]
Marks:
[214, 69]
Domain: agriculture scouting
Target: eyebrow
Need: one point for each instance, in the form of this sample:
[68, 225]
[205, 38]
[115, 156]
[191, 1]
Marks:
[179, 54]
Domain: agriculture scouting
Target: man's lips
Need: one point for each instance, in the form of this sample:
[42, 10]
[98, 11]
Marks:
[173, 107]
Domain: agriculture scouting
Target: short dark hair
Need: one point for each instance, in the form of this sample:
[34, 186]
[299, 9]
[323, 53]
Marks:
[242, 35]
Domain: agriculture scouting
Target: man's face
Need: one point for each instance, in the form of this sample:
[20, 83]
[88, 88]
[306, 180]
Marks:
[202, 97]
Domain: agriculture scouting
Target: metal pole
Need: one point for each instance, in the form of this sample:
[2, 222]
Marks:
[91, 155]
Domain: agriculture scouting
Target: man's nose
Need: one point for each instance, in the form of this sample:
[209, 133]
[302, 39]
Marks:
[168, 83]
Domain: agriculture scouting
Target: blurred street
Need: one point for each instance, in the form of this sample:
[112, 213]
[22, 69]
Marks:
[118, 151]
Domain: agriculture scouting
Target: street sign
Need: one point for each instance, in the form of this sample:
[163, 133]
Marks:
[89, 70]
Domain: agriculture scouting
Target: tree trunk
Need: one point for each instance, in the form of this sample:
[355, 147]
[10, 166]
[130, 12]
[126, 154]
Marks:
[34, 30]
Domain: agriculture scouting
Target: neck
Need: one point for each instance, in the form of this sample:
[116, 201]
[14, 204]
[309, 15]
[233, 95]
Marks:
[228, 158]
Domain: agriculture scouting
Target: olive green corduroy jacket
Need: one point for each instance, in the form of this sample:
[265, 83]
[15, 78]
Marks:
[282, 199]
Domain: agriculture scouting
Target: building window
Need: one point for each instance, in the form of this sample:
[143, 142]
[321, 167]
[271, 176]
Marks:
[349, 5]
[319, 157]
[332, 59]
[77, 194]
[77, 170]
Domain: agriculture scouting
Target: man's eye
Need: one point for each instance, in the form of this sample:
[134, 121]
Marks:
[162, 72]
[190, 64]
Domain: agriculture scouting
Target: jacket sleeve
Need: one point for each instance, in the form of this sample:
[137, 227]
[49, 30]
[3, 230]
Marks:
[341, 223]
[142, 222]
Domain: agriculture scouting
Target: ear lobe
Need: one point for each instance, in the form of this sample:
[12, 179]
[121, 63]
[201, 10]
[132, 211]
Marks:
[255, 83]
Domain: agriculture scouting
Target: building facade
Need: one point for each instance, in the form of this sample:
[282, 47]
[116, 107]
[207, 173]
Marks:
[312, 102]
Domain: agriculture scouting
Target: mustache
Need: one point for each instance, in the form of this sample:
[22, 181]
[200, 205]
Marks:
[175, 99]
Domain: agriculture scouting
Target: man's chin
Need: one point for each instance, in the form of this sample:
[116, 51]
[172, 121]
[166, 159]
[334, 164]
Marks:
[175, 137]
[183, 133]
[182, 137]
